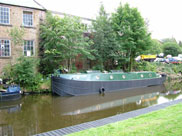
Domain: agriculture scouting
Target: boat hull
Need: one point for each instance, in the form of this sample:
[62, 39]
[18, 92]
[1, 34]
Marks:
[68, 87]
[10, 96]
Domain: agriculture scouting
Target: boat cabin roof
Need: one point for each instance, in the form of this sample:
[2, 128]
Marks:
[110, 76]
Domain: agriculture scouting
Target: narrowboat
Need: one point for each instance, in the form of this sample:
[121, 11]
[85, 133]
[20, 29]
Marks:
[94, 83]
[13, 92]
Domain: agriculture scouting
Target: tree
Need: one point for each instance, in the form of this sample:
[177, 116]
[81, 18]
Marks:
[171, 40]
[105, 45]
[171, 48]
[16, 35]
[132, 34]
[61, 40]
[155, 48]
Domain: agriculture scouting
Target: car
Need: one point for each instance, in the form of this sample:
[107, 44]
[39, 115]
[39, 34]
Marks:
[172, 60]
[159, 60]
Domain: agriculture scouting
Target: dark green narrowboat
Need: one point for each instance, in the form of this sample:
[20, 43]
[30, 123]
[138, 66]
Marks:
[93, 83]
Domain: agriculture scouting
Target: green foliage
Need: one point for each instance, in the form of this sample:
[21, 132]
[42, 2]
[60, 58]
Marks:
[17, 35]
[167, 68]
[105, 46]
[7, 71]
[62, 40]
[145, 66]
[24, 73]
[171, 48]
[99, 67]
[159, 67]
[155, 48]
[176, 68]
[132, 34]
[171, 40]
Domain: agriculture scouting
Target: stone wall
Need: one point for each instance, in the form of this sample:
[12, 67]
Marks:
[31, 33]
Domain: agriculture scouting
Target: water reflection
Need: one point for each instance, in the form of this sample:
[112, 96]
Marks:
[6, 130]
[40, 113]
[11, 106]
[84, 104]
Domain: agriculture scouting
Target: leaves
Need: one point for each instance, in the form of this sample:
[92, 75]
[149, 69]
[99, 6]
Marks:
[17, 35]
[171, 48]
[105, 46]
[131, 33]
[121, 37]
[62, 39]
[24, 73]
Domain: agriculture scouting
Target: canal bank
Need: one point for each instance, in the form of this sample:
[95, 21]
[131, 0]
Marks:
[112, 119]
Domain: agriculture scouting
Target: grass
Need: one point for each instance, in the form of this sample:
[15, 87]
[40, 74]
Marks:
[165, 122]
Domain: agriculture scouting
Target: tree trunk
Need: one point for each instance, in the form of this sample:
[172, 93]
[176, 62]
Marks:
[131, 60]
[70, 64]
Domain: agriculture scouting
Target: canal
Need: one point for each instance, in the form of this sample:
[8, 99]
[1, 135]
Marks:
[40, 113]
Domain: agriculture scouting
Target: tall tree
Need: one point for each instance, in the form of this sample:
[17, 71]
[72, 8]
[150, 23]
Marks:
[132, 33]
[62, 39]
[171, 48]
[105, 45]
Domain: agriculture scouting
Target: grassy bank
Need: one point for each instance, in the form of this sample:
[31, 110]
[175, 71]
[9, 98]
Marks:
[165, 122]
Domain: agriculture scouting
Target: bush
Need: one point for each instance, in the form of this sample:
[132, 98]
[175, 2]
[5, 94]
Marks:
[98, 67]
[159, 67]
[176, 68]
[24, 73]
[146, 66]
[172, 49]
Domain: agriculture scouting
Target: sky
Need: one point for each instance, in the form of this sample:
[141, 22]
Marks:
[163, 16]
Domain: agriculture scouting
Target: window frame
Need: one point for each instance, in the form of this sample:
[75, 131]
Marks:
[23, 18]
[9, 48]
[30, 50]
[9, 15]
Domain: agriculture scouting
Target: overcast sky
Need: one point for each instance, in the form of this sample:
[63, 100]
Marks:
[164, 16]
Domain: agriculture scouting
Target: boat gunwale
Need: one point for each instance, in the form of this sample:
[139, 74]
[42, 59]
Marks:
[90, 77]
[9, 93]
[104, 80]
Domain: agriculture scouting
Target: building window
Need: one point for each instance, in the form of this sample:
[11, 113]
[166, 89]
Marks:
[27, 18]
[28, 48]
[4, 15]
[5, 48]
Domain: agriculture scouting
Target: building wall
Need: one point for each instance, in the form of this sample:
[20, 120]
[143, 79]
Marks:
[31, 33]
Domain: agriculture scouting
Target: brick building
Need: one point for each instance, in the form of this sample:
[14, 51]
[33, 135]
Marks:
[26, 14]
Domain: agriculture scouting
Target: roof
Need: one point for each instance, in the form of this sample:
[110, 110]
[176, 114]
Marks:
[61, 13]
[23, 3]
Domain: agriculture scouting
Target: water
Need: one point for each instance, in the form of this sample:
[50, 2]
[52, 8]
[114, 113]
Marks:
[40, 113]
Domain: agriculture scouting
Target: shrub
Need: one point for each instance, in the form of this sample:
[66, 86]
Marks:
[146, 66]
[24, 73]
[98, 67]
[172, 49]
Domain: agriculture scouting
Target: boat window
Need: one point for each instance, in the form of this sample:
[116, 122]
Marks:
[141, 75]
[123, 76]
[97, 77]
[111, 77]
